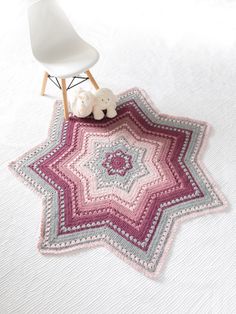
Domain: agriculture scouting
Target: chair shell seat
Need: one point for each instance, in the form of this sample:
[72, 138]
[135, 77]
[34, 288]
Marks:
[71, 63]
[56, 44]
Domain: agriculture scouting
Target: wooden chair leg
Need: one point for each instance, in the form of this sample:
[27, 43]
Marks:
[65, 101]
[45, 78]
[92, 80]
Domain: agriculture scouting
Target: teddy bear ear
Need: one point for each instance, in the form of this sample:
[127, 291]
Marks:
[80, 90]
[76, 92]
[73, 105]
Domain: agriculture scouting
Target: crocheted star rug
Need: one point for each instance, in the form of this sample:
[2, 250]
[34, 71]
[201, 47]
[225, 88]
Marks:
[124, 183]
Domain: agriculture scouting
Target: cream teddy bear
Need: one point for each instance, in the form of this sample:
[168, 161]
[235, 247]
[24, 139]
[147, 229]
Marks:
[82, 106]
[86, 103]
[104, 100]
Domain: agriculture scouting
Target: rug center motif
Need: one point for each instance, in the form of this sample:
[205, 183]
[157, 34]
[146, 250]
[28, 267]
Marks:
[117, 162]
[118, 167]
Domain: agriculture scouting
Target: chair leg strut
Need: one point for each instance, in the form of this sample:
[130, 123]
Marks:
[45, 78]
[92, 80]
[65, 101]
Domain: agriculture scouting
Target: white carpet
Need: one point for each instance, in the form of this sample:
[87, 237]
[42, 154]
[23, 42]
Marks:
[183, 53]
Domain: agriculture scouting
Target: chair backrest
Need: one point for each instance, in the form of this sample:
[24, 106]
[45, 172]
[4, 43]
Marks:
[49, 28]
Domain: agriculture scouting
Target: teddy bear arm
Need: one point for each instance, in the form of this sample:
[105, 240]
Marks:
[111, 112]
[98, 113]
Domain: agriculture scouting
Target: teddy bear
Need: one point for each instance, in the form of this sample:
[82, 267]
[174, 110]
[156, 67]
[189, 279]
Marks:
[104, 100]
[82, 106]
[86, 103]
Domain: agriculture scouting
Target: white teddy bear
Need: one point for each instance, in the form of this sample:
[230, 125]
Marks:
[82, 106]
[104, 100]
[85, 103]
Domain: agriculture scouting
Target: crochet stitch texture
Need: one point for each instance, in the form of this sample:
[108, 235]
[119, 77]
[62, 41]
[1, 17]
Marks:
[123, 183]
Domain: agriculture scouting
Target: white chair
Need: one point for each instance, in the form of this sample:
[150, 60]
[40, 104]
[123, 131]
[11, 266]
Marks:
[57, 46]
